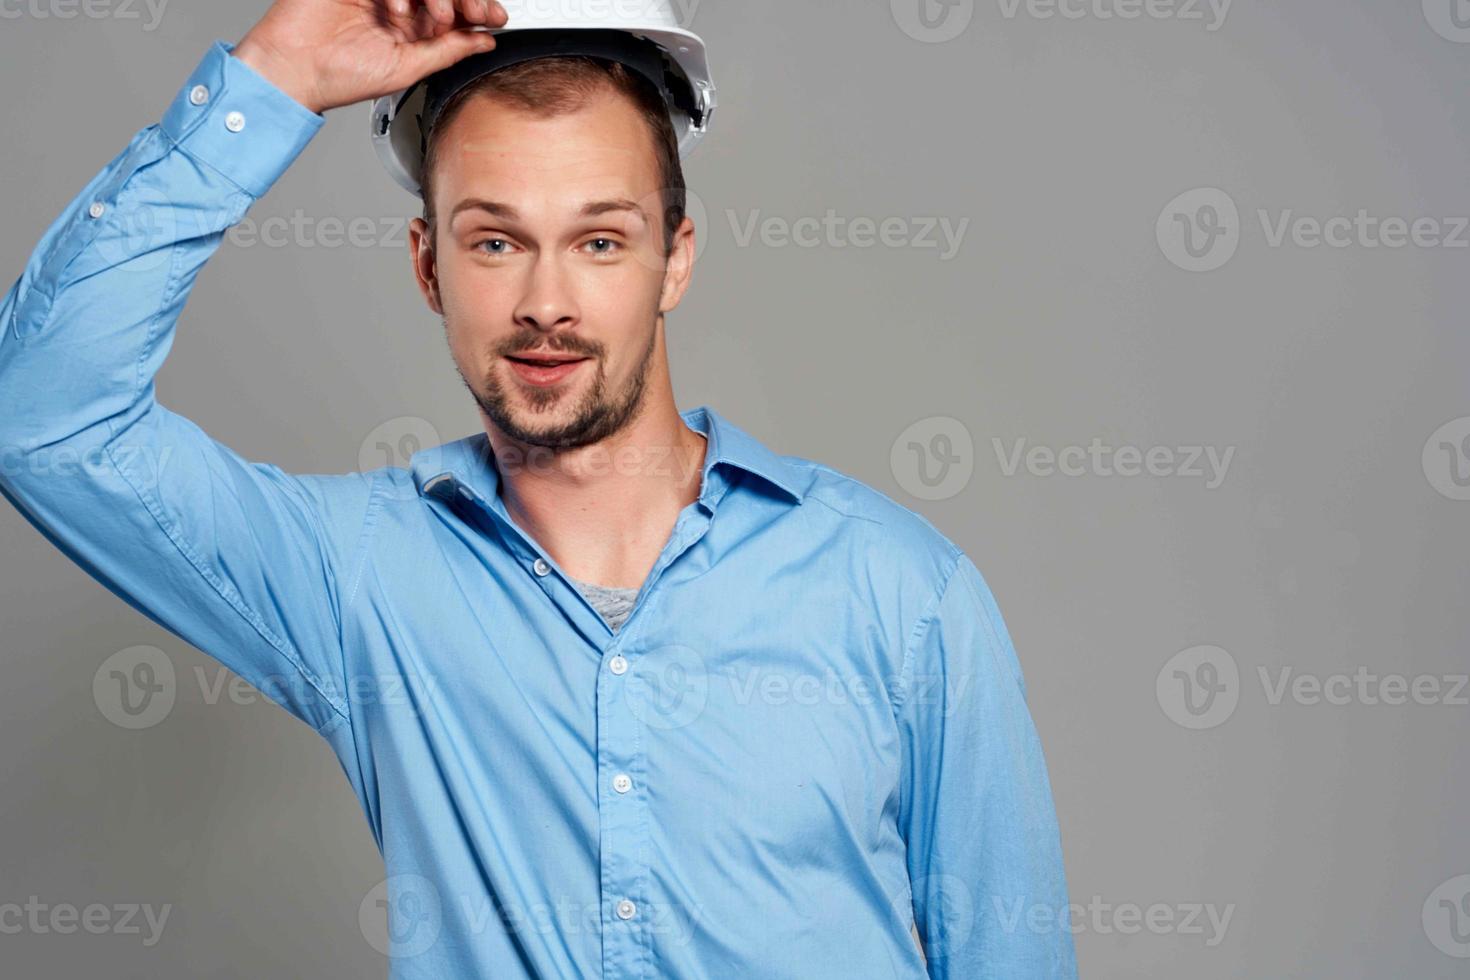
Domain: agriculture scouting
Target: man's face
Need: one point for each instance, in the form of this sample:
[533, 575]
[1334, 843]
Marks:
[550, 245]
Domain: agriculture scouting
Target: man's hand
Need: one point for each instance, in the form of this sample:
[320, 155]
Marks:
[329, 53]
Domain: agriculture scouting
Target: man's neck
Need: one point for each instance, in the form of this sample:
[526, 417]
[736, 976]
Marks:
[604, 512]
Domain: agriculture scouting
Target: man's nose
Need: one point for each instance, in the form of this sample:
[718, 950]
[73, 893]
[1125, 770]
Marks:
[549, 302]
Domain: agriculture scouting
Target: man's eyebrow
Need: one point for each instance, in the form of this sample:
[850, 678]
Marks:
[507, 213]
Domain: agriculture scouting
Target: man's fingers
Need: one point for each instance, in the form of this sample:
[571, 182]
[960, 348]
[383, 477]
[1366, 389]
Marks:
[426, 22]
[400, 15]
[474, 11]
[435, 18]
[437, 53]
[488, 13]
[423, 18]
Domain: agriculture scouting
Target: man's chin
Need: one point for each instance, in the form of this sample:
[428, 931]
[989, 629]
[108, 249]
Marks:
[545, 408]
[571, 414]
[554, 425]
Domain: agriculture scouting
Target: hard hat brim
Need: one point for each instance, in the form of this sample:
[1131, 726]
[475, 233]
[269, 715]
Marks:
[396, 119]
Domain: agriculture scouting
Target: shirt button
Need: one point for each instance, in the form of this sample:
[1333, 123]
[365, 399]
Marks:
[97, 210]
[541, 568]
[626, 909]
[235, 122]
[199, 95]
[618, 664]
[622, 782]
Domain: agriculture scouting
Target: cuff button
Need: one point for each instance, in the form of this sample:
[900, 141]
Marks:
[234, 122]
[199, 95]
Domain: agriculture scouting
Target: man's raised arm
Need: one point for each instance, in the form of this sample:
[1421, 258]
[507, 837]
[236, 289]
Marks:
[238, 558]
[242, 560]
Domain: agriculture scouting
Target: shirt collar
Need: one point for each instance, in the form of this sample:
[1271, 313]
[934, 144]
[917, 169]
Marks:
[467, 465]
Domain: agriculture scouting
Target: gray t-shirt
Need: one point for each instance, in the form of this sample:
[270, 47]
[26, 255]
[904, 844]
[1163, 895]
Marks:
[614, 604]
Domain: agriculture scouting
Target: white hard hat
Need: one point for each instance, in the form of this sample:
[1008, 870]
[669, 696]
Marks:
[647, 39]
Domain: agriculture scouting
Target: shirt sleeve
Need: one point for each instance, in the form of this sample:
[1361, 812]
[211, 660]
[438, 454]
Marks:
[244, 561]
[976, 812]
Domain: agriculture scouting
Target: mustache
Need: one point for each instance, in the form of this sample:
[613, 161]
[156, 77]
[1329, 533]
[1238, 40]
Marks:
[555, 344]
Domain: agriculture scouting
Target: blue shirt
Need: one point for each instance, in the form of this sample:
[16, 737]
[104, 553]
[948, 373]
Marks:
[809, 737]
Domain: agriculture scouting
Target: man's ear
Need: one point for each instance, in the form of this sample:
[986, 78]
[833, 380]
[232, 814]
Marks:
[680, 266]
[421, 253]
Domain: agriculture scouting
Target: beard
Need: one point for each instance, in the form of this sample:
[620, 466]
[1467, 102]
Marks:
[598, 414]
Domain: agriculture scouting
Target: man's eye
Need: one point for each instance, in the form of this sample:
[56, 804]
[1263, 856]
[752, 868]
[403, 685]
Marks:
[613, 246]
[490, 242]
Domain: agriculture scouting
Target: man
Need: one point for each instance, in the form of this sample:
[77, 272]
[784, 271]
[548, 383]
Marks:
[622, 692]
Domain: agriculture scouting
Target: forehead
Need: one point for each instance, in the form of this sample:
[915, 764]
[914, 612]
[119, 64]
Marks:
[546, 164]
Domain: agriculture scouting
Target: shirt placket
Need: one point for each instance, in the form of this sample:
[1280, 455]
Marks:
[626, 909]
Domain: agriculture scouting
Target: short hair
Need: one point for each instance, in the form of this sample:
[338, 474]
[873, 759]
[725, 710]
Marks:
[555, 84]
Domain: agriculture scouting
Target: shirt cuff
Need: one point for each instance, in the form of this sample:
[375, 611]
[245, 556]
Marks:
[230, 117]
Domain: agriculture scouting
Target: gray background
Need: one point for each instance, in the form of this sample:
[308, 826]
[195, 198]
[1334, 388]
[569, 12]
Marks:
[1322, 828]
